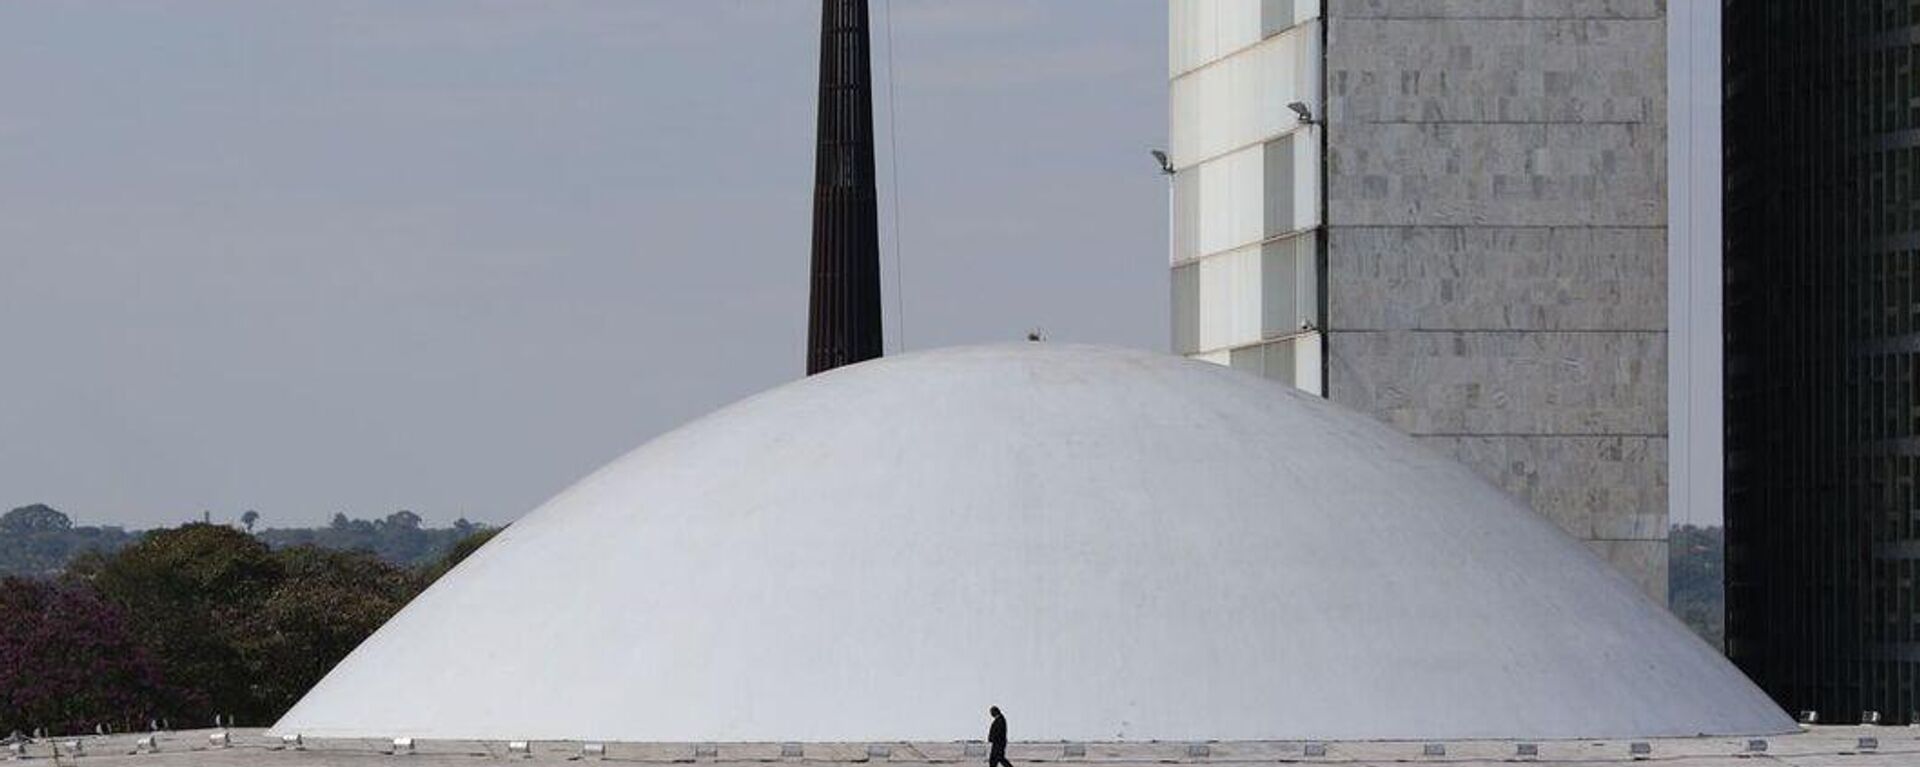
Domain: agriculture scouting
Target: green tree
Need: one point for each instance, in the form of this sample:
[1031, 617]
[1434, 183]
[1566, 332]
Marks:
[38, 518]
[39, 541]
[246, 628]
[325, 604]
[189, 594]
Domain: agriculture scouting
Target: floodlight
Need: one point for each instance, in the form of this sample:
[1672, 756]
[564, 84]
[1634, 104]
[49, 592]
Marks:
[1301, 110]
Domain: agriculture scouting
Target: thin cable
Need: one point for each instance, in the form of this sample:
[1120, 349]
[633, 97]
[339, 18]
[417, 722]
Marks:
[893, 151]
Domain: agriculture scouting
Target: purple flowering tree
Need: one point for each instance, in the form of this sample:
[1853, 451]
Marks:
[69, 662]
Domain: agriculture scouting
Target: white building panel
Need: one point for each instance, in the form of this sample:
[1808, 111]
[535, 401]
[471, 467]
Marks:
[1230, 299]
[1242, 100]
[1246, 296]
[1203, 31]
[1258, 193]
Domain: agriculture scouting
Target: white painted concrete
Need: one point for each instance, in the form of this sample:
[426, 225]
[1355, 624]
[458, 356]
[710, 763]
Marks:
[1108, 544]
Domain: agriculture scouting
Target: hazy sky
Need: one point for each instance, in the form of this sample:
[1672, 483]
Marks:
[451, 256]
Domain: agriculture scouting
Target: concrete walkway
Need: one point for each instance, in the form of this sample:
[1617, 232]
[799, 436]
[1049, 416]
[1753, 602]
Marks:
[1816, 747]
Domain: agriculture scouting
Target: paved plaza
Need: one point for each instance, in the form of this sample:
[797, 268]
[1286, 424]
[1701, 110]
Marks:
[1816, 747]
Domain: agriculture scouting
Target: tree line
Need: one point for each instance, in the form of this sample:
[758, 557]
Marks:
[38, 540]
[186, 623]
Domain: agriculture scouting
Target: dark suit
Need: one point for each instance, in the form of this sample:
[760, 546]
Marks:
[997, 738]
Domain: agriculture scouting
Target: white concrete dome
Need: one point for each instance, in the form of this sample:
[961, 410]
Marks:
[1108, 544]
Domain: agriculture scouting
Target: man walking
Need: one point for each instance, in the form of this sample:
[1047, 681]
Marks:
[997, 739]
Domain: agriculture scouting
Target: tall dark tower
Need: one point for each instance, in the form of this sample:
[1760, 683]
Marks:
[844, 319]
[1822, 262]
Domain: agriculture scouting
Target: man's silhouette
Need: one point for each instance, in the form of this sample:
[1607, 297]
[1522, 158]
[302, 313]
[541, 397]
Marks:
[997, 738]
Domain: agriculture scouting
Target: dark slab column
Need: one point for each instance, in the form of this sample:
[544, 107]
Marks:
[844, 317]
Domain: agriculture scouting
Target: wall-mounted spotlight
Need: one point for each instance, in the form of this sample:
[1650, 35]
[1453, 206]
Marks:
[1166, 163]
[1300, 110]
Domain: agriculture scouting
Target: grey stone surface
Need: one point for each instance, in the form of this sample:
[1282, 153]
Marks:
[1594, 487]
[1496, 266]
[1535, 383]
[1497, 278]
[1496, 174]
[1818, 747]
[1506, 70]
[1497, 9]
